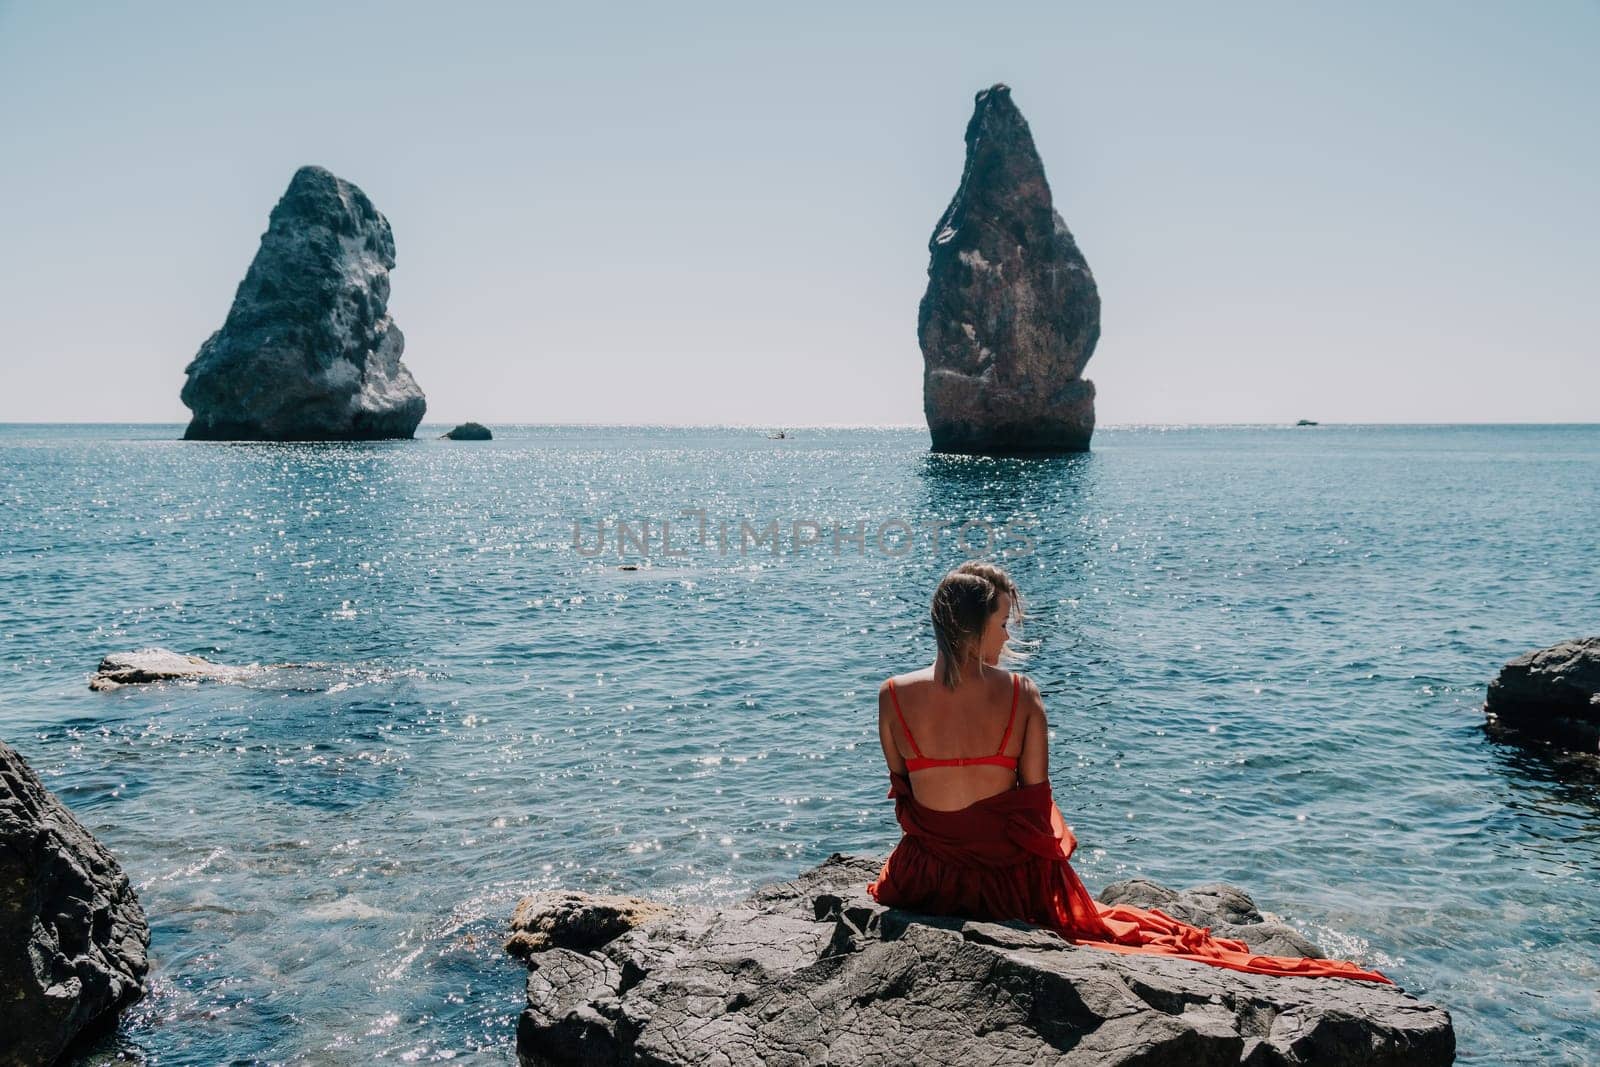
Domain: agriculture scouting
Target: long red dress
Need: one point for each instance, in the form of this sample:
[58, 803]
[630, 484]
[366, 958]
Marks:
[1006, 857]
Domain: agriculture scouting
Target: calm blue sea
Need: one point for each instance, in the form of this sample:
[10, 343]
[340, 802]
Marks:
[1263, 651]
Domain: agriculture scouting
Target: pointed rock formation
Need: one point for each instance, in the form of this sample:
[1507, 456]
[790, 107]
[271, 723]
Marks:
[1011, 314]
[309, 352]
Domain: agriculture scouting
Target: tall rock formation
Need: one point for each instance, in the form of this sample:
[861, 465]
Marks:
[309, 352]
[1011, 314]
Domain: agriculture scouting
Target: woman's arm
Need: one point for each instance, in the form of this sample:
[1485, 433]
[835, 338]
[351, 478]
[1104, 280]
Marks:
[1034, 765]
[891, 752]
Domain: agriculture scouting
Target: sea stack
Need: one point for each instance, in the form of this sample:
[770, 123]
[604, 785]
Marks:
[308, 351]
[1011, 315]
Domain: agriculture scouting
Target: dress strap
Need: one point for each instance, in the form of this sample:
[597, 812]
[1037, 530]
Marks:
[1015, 685]
[901, 716]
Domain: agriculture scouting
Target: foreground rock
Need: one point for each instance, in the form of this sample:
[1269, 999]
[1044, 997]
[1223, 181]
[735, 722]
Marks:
[308, 351]
[580, 921]
[470, 431]
[1011, 314]
[73, 940]
[813, 971]
[1552, 694]
[147, 665]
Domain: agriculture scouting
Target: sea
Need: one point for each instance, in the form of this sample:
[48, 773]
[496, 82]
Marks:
[645, 660]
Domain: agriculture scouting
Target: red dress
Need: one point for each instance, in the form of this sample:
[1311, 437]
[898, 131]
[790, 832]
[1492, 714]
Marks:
[1006, 858]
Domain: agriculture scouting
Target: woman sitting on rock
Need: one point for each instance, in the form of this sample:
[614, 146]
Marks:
[968, 753]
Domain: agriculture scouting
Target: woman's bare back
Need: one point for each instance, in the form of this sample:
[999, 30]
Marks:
[966, 722]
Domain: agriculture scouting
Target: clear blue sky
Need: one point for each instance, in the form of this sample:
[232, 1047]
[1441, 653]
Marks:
[718, 213]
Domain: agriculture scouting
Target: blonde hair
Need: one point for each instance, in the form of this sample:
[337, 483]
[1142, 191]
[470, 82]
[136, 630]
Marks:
[962, 604]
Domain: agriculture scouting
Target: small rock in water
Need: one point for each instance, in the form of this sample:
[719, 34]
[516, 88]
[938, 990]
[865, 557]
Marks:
[74, 943]
[815, 971]
[160, 665]
[1551, 694]
[470, 431]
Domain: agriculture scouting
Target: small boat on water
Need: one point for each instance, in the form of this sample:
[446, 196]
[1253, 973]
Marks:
[778, 435]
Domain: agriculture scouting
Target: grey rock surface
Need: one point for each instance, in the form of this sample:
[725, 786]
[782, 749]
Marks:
[308, 351]
[146, 665]
[74, 943]
[813, 971]
[580, 921]
[1550, 694]
[1011, 314]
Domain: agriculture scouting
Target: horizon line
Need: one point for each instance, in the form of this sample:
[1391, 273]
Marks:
[783, 426]
[583, 424]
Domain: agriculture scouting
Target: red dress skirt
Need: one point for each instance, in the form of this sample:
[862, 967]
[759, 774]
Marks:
[1006, 858]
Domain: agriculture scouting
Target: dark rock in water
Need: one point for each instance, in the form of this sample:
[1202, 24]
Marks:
[160, 665]
[1011, 314]
[308, 351]
[470, 431]
[73, 940]
[1552, 694]
[815, 971]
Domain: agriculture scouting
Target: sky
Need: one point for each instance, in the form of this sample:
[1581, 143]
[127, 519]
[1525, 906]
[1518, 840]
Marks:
[719, 213]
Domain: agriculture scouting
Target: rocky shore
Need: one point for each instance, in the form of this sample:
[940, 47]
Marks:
[74, 943]
[814, 971]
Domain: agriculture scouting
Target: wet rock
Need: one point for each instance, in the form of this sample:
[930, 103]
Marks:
[815, 971]
[1551, 694]
[1011, 314]
[147, 665]
[73, 940]
[580, 921]
[309, 351]
[470, 431]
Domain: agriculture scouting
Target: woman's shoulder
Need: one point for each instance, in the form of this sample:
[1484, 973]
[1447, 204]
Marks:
[907, 679]
[999, 679]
